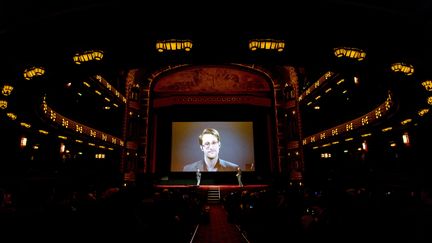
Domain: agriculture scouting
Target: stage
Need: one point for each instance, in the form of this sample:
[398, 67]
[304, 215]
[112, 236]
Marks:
[222, 179]
[207, 187]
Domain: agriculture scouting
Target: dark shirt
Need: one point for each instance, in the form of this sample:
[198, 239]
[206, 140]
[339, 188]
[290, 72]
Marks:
[221, 165]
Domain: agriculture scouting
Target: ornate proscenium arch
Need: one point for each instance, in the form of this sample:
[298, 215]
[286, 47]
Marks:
[211, 86]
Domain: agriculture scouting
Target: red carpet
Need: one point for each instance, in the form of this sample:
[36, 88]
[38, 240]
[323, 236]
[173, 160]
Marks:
[218, 230]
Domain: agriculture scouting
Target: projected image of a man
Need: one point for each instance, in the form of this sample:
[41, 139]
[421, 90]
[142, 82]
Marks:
[210, 144]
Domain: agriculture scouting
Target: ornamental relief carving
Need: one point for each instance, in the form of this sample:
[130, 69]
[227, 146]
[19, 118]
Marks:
[211, 80]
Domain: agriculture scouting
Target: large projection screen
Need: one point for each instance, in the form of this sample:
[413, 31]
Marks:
[236, 137]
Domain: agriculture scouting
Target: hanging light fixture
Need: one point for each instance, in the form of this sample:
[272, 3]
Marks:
[423, 112]
[7, 89]
[3, 104]
[173, 45]
[32, 72]
[404, 68]
[266, 44]
[350, 52]
[87, 56]
[427, 84]
[11, 116]
[25, 124]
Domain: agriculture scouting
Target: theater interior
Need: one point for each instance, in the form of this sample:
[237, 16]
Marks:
[324, 105]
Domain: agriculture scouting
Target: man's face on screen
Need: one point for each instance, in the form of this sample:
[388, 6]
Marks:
[210, 146]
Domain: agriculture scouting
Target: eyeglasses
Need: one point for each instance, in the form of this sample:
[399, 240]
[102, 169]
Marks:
[207, 145]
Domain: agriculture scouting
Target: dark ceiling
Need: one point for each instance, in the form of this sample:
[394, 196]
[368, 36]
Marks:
[38, 32]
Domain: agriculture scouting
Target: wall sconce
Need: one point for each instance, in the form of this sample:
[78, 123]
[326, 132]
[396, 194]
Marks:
[62, 147]
[427, 85]
[266, 44]
[87, 56]
[3, 104]
[364, 146]
[404, 68]
[23, 142]
[173, 45]
[405, 139]
[32, 72]
[7, 90]
[349, 52]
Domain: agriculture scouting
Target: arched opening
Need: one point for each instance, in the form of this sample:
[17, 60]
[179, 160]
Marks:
[237, 101]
